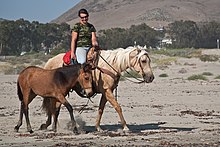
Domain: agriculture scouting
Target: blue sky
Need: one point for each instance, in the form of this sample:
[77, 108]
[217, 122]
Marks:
[35, 10]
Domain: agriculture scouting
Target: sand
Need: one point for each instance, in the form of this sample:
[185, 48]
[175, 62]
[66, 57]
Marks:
[170, 111]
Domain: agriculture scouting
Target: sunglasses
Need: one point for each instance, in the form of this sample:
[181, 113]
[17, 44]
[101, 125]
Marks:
[84, 17]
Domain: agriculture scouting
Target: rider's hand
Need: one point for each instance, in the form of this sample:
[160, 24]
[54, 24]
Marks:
[97, 48]
[73, 56]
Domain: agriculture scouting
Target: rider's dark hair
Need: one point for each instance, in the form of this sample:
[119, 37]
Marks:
[83, 11]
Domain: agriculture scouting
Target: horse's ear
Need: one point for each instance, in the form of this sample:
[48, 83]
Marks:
[138, 50]
[87, 67]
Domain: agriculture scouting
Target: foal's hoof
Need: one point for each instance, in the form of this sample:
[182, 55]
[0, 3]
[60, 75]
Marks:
[16, 128]
[43, 127]
[31, 131]
[75, 131]
[54, 130]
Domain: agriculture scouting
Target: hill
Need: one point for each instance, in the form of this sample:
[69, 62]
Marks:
[155, 13]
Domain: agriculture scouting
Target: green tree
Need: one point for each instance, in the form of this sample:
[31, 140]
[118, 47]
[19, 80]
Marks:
[21, 35]
[119, 37]
[208, 34]
[183, 33]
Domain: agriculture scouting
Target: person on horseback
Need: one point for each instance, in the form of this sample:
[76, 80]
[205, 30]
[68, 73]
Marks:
[83, 38]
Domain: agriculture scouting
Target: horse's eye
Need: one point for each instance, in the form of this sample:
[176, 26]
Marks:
[86, 77]
[144, 61]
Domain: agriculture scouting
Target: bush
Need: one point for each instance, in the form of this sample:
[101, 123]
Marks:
[163, 75]
[185, 52]
[166, 61]
[207, 74]
[197, 77]
[218, 77]
[209, 58]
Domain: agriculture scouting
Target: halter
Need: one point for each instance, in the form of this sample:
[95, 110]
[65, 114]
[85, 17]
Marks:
[83, 87]
[143, 52]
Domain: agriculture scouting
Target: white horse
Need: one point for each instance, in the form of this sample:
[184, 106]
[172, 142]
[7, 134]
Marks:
[110, 65]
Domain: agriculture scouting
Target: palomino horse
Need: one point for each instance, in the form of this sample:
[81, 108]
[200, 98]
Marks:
[53, 84]
[107, 74]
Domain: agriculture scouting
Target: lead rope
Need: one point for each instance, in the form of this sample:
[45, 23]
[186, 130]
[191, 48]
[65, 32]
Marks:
[116, 93]
[83, 106]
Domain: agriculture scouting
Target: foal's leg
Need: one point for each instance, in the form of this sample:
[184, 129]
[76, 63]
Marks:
[100, 112]
[20, 117]
[30, 96]
[63, 100]
[48, 122]
[110, 97]
[26, 114]
[54, 104]
[55, 116]
[50, 106]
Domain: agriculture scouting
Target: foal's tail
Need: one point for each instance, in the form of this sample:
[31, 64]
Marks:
[49, 106]
[19, 92]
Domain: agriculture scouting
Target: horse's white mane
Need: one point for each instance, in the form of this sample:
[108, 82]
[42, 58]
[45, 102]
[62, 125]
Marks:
[119, 58]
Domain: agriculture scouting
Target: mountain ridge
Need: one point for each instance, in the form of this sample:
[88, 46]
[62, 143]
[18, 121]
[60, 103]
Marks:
[155, 13]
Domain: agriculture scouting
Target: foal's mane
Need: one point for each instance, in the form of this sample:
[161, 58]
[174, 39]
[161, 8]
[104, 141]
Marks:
[118, 58]
[68, 70]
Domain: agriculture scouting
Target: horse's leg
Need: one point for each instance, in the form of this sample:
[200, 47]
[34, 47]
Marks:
[100, 112]
[110, 97]
[63, 100]
[20, 117]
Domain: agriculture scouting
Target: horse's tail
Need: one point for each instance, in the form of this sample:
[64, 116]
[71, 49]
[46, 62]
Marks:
[19, 92]
[49, 106]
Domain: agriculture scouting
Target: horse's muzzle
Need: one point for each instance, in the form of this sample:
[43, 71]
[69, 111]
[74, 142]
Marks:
[88, 92]
[148, 78]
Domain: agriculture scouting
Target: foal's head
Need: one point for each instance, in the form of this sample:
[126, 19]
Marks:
[85, 79]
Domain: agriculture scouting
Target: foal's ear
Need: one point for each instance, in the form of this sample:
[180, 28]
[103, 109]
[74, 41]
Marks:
[87, 67]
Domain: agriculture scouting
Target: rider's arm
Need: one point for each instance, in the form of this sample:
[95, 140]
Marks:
[73, 44]
[94, 39]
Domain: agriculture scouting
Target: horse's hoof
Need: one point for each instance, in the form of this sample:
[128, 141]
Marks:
[126, 129]
[43, 127]
[99, 129]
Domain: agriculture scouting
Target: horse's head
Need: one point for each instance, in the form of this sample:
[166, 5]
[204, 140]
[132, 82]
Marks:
[85, 79]
[140, 62]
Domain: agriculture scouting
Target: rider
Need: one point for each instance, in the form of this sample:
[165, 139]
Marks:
[83, 38]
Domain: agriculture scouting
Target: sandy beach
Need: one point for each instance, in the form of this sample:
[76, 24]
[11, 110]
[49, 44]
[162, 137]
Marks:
[170, 111]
